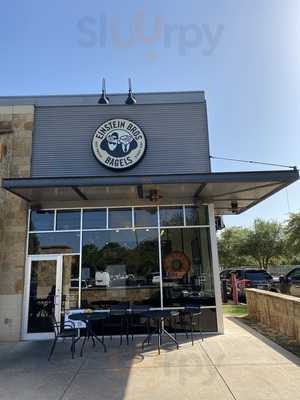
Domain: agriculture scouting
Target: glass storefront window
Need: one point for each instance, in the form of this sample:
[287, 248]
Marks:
[196, 215]
[145, 217]
[171, 216]
[120, 267]
[120, 218]
[67, 219]
[186, 264]
[41, 220]
[120, 261]
[54, 243]
[70, 283]
[94, 219]
[41, 296]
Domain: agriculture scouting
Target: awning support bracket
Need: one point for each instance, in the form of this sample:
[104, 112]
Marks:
[79, 192]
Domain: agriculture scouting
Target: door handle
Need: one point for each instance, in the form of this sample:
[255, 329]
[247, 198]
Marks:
[57, 298]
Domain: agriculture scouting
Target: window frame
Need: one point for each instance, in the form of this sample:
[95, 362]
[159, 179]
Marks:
[133, 227]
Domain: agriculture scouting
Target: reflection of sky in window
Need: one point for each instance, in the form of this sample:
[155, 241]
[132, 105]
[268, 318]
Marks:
[94, 219]
[120, 218]
[145, 216]
[66, 241]
[41, 220]
[68, 219]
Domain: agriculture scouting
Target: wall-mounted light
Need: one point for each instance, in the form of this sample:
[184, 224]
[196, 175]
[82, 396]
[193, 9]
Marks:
[234, 207]
[103, 99]
[130, 99]
[154, 195]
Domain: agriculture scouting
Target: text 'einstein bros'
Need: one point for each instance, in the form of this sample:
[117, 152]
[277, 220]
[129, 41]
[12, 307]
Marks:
[119, 144]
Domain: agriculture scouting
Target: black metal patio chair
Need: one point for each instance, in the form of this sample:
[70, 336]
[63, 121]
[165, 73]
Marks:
[136, 321]
[188, 319]
[63, 330]
[119, 320]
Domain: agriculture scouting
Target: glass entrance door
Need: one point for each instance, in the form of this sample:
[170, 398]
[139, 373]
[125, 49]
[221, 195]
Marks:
[45, 294]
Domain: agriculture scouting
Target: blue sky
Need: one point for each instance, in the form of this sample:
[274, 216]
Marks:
[244, 54]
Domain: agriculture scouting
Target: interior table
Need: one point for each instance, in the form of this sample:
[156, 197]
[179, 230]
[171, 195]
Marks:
[88, 319]
[159, 315]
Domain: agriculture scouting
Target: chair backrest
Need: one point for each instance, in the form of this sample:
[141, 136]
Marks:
[193, 309]
[119, 309]
[139, 308]
[56, 325]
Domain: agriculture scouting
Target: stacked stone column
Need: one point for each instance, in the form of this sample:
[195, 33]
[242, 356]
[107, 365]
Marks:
[16, 123]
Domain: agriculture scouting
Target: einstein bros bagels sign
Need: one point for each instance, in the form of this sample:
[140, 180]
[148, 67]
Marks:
[119, 144]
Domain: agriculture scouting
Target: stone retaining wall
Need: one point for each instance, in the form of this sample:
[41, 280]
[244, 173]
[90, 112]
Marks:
[277, 311]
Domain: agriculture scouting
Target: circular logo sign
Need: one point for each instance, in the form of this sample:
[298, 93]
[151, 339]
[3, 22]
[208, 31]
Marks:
[119, 144]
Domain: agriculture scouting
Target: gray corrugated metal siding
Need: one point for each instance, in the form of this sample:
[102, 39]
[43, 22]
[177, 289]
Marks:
[177, 139]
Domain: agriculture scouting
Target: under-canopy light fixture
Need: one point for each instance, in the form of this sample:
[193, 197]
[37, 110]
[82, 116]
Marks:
[234, 207]
[130, 99]
[154, 195]
[103, 99]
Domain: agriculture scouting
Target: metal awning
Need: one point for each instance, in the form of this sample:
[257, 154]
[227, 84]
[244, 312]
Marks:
[231, 192]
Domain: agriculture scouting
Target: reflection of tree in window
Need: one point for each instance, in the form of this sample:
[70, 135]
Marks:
[138, 260]
[144, 258]
[171, 216]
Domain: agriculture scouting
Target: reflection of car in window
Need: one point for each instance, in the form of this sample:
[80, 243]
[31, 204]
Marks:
[102, 278]
[156, 279]
[75, 284]
[153, 278]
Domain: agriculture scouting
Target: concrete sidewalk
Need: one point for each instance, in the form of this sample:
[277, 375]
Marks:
[238, 365]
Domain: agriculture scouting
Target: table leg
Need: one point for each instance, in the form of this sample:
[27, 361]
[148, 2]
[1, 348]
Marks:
[94, 336]
[148, 337]
[159, 329]
[82, 347]
[171, 337]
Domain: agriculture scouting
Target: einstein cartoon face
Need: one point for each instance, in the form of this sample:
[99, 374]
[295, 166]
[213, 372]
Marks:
[112, 141]
[125, 140]
[119, 143]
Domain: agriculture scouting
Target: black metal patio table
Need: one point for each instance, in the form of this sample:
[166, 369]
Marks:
[88, 319]
[158, 316]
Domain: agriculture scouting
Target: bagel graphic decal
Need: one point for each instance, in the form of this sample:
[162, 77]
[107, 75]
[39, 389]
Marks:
[176, 264]
[119, 144]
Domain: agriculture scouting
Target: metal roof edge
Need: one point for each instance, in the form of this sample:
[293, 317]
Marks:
[116, 98]
[288, 176]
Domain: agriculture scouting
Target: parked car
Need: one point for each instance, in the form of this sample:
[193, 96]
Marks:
[75, 284]
[225, 275]
[250, 278]
[289, 283]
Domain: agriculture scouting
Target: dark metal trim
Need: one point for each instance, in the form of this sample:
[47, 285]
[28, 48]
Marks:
[260, 176]
[199, 190]
[79, 192]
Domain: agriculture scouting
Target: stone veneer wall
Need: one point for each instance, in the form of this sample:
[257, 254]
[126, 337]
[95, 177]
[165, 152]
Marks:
[16, 124]
[277, 311]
